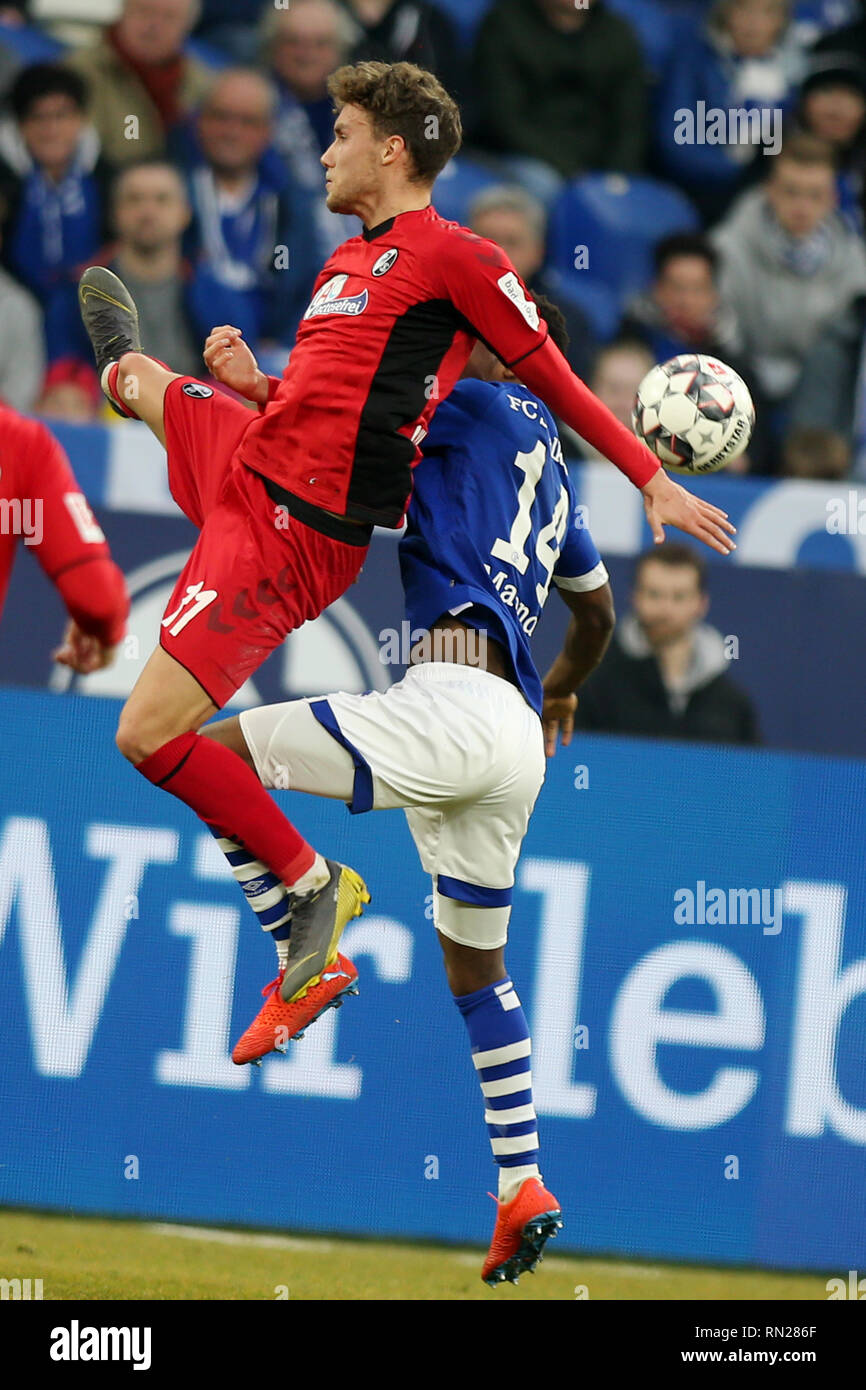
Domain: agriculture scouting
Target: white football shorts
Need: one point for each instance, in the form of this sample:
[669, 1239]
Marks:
[458, 748]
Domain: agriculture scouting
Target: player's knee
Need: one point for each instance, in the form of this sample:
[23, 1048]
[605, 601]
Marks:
[136, 738]
[469, 968]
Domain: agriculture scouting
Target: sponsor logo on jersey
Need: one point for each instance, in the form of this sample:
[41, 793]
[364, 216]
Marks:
[511, 288]
[385, 261]
[197, 389]
[328, 300]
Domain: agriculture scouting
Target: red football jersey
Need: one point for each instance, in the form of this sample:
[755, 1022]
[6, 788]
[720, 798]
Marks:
[393, 318]
[43, 508]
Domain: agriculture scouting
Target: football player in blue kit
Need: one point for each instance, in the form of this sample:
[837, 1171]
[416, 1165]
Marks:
[460, 741]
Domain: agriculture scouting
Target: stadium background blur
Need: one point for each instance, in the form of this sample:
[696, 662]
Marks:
[199, 181]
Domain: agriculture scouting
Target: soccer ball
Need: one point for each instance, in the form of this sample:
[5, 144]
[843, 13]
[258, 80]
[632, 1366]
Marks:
[694, 413]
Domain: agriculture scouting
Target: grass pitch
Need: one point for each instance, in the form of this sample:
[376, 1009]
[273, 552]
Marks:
[86, 1258]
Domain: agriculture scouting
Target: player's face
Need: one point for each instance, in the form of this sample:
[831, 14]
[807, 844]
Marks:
[668, 602]
[801, 195]
[352, 162]
[686, 292]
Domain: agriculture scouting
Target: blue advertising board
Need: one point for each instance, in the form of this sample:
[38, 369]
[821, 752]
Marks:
[688, 938]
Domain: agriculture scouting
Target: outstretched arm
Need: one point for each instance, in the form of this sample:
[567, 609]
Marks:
[482, 283]
[546, 372]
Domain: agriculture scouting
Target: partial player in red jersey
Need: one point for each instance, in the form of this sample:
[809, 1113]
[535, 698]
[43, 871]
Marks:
[42, 506]
[285, 499]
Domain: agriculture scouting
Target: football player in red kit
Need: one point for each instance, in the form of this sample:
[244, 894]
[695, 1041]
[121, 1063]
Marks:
[285, 499]
[42, 505]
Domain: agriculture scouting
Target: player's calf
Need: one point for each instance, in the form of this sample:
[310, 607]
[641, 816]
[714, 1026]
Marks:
[528, 1214]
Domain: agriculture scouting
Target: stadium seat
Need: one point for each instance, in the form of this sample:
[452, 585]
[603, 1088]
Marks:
[466, 14]
[654, 27]
[600, 305]
[618, 221]
[460, 181]
[30, 45]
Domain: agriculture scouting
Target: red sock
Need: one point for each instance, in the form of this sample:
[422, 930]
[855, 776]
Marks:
[111, 385]
[225, 792]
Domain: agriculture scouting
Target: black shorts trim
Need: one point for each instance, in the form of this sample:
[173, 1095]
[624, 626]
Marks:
[317, 520]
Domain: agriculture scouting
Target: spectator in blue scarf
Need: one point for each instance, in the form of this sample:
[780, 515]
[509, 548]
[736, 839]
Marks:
[744, 57]
[251, 238]
[54, 183]
[301, 47]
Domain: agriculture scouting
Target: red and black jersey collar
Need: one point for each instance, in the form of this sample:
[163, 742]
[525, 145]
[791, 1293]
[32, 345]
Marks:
[371, 233]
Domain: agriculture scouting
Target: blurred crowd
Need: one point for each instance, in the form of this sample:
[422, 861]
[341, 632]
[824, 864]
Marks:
[678, 175]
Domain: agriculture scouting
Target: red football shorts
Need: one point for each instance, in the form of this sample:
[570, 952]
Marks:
[257, 571]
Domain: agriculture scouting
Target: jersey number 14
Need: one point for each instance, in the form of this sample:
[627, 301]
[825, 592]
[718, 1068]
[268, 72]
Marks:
[548, 539]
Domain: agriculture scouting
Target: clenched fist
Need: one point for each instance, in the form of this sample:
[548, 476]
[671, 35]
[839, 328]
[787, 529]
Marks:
[230, 361]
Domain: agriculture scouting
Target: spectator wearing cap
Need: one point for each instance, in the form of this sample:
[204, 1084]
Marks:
[744, 57]
[833, 107]
[562, 90]
[251, 236]
[71, 392]
[517, 222]
[140, 80]
[55, 185]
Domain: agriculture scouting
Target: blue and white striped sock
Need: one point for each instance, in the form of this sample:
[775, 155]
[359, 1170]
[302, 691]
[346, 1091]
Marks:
[499, 1035]
[266, 894]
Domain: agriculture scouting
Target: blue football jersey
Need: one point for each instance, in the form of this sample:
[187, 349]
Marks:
[493, 520]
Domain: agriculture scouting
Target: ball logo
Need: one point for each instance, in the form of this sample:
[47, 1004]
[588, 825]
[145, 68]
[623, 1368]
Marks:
[385, 261]
[197, 389]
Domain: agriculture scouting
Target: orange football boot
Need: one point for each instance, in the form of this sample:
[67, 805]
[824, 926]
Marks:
[277, 1022]
[523, 1227]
